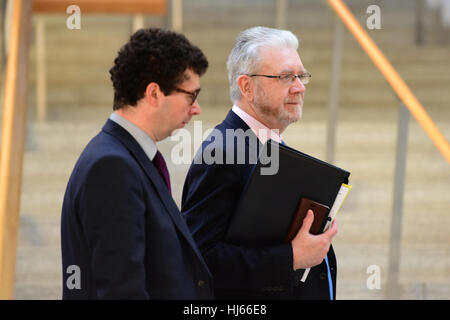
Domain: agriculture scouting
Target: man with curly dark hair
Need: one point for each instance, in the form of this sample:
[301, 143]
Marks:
[122, 235]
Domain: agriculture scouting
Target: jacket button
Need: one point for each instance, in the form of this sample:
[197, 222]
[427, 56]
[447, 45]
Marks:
[201, 283]
[323, 276]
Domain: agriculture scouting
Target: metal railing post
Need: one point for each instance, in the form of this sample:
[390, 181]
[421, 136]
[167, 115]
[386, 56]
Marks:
[138, 22]
[334, 90]
[177, 15]
[280, 15]
[420, 32]
[393, 286]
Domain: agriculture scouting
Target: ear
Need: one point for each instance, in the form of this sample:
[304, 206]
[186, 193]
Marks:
[153, 94]
[245, 83]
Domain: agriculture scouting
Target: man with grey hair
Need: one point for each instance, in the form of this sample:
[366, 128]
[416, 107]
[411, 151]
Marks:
[267, 87]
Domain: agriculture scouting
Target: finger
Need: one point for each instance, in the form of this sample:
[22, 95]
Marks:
[331, 232]
[335, 224]
[307, 221]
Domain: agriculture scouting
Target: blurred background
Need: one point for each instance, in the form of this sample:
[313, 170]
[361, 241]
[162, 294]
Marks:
[414, 36]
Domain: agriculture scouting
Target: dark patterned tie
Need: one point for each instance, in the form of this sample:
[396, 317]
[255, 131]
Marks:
[160, 164]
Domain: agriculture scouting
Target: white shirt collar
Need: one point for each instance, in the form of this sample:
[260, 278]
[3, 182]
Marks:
[261, 131]
[142, 138]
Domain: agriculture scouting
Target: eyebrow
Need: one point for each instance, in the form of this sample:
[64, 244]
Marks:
[290, 71]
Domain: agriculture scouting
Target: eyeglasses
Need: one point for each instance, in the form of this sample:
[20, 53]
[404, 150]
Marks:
[287, 78]
[193, 94]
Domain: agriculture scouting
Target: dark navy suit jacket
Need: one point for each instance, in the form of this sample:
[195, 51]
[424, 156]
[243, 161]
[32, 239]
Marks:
[122, 229]
[210, 195]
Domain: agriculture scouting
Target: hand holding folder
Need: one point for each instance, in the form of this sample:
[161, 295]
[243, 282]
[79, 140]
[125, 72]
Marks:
[321, 223]
[310, 249]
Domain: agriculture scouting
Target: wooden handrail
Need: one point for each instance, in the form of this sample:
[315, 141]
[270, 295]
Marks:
[102, 6]
[391, 75]
[12, 143]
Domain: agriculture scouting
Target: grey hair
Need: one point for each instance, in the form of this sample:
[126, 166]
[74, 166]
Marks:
[244, 57]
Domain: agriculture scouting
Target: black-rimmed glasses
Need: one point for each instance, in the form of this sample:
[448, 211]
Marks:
[193, 94]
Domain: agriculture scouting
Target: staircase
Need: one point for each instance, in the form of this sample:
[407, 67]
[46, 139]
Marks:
[80, 100]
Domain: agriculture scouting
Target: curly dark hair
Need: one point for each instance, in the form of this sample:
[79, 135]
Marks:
[153, 55]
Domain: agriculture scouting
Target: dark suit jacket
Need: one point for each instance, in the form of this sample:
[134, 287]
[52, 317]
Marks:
[121, 227]
[210, 195]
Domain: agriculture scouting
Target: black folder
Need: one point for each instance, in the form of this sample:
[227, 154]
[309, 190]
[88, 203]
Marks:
[269, 202]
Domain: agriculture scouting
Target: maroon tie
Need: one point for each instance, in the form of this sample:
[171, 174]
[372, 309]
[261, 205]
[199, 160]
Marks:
[160, 164]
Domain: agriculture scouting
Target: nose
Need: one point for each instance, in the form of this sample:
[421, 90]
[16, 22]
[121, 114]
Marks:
[297, 87]
[195, 109]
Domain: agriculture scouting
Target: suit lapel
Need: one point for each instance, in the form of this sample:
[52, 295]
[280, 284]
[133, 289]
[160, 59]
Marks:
[233, 121]
[155, 178]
